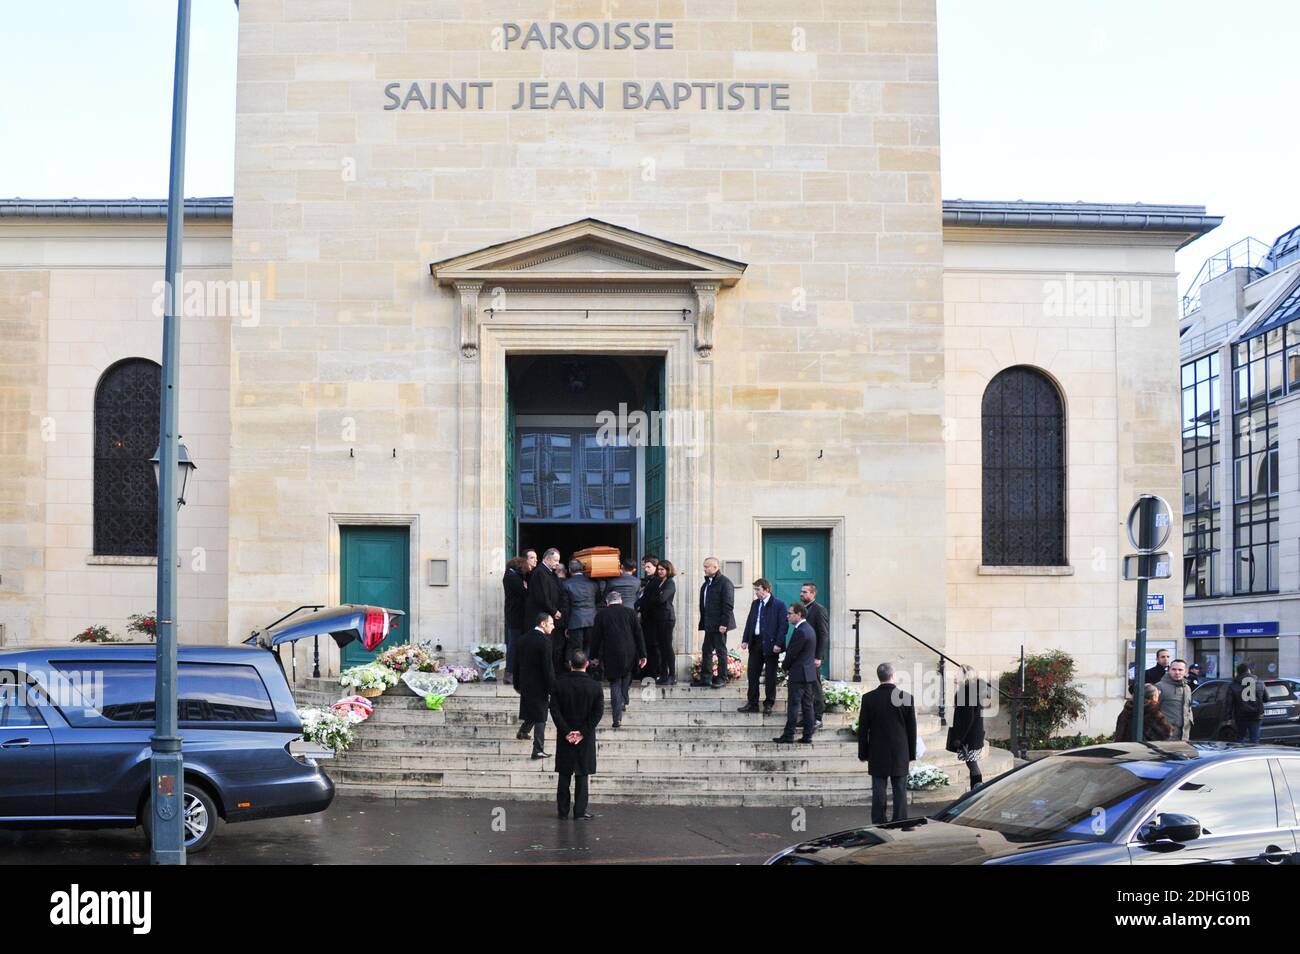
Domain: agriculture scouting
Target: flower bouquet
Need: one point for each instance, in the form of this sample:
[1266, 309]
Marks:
[460, 673]
[407, 657]
[326, 727]
[369, 680]
[488, 658]
[426, 683]
[735, 668]
[356, 709]
[926, 778]
[95, 634]
[839, 696]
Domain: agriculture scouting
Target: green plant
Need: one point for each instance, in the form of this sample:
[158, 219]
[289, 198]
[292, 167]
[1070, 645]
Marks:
[1052, 698]
[95, 634]
[840, 694]
[146, 624]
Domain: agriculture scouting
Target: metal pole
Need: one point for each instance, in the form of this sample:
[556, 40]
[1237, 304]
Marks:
[1146, 533]
[166, 766]
[943, 694]
[857, 646]
[1024, 740]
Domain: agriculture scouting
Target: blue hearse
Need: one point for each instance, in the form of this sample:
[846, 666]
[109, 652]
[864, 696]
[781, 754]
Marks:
[76, 721]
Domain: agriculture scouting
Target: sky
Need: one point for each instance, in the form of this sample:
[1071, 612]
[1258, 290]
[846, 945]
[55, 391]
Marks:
[1157, 101]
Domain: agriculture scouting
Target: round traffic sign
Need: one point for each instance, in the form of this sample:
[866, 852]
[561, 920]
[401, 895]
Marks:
[1163, 522]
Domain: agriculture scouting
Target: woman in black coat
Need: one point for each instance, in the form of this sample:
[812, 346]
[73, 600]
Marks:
[665, 617]
[645, 598]
[966, 734]
[1155, 726]
[516, 595]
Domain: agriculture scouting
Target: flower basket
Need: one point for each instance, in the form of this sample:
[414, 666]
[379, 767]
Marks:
[327, 727]
[368, 681]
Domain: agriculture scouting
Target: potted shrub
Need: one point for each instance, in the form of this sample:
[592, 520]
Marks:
[840, 697]
[95, 634]
[368, 680]
[143, 624]
[1053, 699]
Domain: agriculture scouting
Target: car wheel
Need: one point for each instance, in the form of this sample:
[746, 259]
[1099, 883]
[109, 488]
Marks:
[199, 815]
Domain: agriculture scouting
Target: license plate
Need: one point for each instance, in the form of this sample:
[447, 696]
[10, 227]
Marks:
[1275, 711]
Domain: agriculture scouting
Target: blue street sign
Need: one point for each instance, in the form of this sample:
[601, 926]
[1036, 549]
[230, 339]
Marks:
[1250, 629]
[1192, 631]
[1155, 602]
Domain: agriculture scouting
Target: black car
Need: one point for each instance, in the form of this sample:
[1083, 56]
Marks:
[1126, 803]
[76, 722]
[1281, 722]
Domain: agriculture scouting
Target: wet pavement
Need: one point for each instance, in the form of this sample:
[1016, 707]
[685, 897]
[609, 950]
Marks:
[464, 831]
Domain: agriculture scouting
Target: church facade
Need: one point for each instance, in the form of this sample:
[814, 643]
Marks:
[683, 284]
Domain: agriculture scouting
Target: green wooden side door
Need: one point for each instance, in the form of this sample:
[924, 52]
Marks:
[656, 466]
[794, 557]
[375, 570]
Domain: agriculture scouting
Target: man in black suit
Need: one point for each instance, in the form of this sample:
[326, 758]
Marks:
[544, 597]
[799, 649]
[578, 594]
[618, 646]
[1157, 672]
[763, 629]
[887, 742]
[577, 705]
[820, 621]
[534, 680]
[717, 618]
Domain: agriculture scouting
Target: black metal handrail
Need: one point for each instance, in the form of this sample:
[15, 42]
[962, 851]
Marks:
[1018, 740]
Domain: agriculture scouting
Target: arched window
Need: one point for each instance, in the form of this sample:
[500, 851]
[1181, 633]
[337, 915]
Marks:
[1023, 434]
[126, 436]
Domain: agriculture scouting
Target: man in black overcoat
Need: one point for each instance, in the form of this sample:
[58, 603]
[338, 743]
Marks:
[578, 594]
[577, 705]
[717, 618]
[820, 621]
[618, 645]
[544, 596]
[534, 680]
[887, 742]
[799, 648]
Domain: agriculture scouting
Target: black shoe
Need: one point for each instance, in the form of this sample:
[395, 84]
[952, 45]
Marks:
[767, 710]
[541, 755]
[661, 681]
[805, 741]
[818, 725]
[782, 740]
[523, 736]
[719, 683]
[618, 725]
[584, 816]
[748, 708]
[562, 814]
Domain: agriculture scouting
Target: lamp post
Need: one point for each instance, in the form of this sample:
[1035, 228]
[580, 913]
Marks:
[166, 769]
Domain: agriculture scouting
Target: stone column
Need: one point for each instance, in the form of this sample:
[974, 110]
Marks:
[467, 316]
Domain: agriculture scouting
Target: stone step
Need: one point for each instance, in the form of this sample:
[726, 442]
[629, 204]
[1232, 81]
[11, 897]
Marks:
[630, 730]
[810, 761]
[651, 796]
[544, 776]
[610, 744]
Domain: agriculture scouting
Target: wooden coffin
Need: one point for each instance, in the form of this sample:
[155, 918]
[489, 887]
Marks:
[599, 563]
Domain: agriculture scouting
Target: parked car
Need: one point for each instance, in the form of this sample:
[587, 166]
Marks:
[76, 722]
[1281, 723]
[1120, 803]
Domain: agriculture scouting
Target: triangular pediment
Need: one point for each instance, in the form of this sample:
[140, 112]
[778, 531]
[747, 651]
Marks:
[588, 250]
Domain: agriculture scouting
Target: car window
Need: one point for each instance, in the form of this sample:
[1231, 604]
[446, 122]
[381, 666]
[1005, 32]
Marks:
[1279, 692]
[12, 716]
[1291, 771]
[1208, 694]
[1061, 797]
[208, 692]
[1227, 799]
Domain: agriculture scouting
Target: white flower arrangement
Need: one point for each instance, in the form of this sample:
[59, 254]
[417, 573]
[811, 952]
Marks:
[368, 676]
[327, 727]
[840, 694]
[424, 683]
[922, 777]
